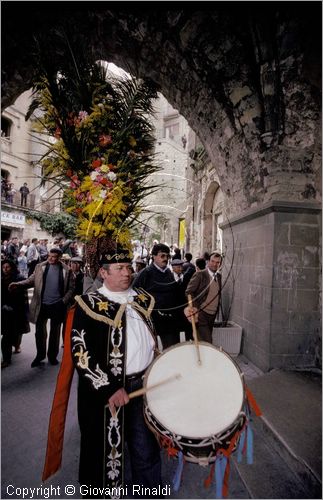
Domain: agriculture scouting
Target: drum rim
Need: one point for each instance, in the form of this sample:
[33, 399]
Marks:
[207, 344]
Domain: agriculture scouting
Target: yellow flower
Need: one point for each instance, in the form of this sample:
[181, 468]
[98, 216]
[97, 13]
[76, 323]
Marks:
[132, 141]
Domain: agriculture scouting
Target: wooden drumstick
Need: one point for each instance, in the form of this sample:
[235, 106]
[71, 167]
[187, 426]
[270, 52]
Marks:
[196, 342]
[140, 392]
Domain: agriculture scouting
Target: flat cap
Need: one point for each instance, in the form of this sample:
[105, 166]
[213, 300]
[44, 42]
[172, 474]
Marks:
[177, 262]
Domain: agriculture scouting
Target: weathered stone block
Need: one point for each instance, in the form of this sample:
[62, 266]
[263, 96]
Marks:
[256, 315]
[290, 361]
[310, 256]
[280, 299]
[256, 294]
[305, 322]
[237, 310]
[307, 278]
[279, 320]
[303, 300]
[292, 344]
[259, 357]
[282, 234]
[261, 275]
[286, 265]
[302, 234]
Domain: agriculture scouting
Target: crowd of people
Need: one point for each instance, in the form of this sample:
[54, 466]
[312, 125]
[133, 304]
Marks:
[136, 307]
[19, 271]
[161, 271]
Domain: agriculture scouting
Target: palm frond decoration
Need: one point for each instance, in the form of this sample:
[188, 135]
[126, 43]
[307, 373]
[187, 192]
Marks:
[102, 152]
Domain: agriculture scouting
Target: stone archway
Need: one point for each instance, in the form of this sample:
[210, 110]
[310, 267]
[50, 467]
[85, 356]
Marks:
[242, 76]
[247, 79]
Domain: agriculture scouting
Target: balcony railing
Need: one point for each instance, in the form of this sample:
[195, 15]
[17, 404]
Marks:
[15, 201]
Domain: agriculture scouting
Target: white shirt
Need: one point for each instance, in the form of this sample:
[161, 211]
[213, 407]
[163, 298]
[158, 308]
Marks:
[161, 269]
[140, 342]
[177, 277]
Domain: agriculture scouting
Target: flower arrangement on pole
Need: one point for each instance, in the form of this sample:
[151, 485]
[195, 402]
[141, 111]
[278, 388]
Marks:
[101, 149]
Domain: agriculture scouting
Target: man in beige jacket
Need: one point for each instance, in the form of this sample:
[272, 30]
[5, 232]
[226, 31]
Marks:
[205, 289]
[53, 289]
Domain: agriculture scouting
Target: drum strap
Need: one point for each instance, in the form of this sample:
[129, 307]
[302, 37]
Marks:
[220, 470]
[179, 471]
[208, 480]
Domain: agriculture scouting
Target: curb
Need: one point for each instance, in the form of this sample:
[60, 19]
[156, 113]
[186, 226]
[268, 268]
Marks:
[309, 478]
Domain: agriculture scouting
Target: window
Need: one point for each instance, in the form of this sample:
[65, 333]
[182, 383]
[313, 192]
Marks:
[171, 130]
[5, 127]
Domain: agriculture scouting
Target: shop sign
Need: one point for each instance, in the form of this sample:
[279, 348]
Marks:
[8, 218]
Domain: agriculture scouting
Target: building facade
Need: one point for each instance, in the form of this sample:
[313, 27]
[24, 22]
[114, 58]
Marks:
[21, 149]
[167, 207]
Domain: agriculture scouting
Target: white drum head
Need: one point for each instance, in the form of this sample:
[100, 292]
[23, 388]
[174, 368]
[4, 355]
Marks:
[205, 400]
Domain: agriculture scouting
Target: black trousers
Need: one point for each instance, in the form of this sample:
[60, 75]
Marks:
[31, 267]
[55, 313]
[168, 333]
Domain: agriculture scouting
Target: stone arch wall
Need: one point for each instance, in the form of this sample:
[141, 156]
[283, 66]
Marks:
[242, 77]
[247, 79]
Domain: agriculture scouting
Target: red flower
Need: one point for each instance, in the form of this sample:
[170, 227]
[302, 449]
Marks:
[104, 181]
[71, 119]
[104, 140]
[69, 173]
[96, 163]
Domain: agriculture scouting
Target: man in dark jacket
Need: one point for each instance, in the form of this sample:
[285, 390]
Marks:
[158, 280]
[53, 289]
[24, 192]
[13, 250]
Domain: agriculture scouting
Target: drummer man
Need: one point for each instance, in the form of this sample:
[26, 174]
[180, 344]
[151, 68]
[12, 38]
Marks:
[115, 320]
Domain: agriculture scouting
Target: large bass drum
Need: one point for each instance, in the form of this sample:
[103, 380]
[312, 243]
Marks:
[201, 411]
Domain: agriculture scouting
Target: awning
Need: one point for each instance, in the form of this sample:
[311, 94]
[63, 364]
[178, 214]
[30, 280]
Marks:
[13, 219]
[12, 224]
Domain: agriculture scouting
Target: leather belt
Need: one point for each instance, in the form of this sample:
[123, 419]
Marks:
[135, 376]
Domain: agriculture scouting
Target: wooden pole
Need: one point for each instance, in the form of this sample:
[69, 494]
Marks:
[196, 342]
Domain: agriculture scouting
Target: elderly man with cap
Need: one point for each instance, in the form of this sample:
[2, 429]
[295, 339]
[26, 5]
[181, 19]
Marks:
[177, 267]
[112, 344]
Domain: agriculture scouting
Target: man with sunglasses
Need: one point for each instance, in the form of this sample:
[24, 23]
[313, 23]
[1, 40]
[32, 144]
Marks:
[158, 280]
